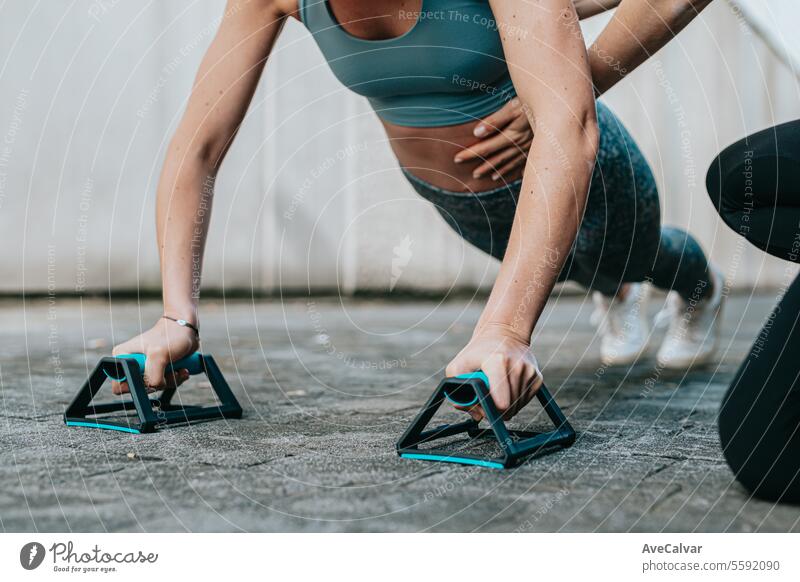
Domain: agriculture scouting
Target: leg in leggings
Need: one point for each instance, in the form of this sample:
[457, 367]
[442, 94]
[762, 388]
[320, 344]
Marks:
[620, 239]
[755, 185]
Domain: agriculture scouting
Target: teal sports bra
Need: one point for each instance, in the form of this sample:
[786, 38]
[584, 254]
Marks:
[449, 68]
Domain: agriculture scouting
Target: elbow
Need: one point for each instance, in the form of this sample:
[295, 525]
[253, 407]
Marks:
[590, 131]
[205, 155]
[572, 140]
[571, 129]
[681, 12]
[588, 147]
[208, 154]
[191, 162]
[582, 133]
[577, 136]
[694, 6]
[589, 8]
[200, 149]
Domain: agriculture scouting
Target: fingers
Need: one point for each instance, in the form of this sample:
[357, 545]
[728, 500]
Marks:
[154, 367]
[523, 377]
[476, 412]
[161, 345]
[513, 381]
[485, 148]
[530, 379]
[502, 163]
[184, 376]
[497, 120]
[516, 162]
[156, 377]
[496, 367]
[171, 380]
[459, 366]
[506, 129]
[176, 378]
[516, 379]
[499, 154]
[132, 346]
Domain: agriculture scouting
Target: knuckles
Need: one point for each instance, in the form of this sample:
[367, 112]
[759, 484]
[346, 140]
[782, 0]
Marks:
[500, 359]
[454, 368]
[157, 354]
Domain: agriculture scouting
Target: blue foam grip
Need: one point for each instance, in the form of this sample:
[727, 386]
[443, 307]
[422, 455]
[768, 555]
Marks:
[477, 374]
[480, 374]
[193, 363]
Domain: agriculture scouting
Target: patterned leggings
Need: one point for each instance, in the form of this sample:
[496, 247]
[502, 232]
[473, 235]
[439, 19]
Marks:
[620, 239]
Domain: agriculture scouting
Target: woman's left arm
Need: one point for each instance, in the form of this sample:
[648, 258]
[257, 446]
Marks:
[638, 30]
[548, 63]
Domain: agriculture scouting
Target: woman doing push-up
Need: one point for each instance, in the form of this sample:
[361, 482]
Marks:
[555, 187]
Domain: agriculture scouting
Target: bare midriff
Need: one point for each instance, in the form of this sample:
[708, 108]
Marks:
[428, 152]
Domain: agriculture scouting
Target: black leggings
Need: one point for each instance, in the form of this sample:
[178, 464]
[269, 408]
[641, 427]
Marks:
[755, 185]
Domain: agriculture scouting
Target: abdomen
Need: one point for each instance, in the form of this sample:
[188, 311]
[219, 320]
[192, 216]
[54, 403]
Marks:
[428, 152]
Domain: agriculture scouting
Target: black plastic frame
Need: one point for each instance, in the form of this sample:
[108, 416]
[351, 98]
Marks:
[515, 444]
[153, 413]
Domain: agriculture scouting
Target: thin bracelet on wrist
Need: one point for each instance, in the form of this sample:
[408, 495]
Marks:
[183, 323]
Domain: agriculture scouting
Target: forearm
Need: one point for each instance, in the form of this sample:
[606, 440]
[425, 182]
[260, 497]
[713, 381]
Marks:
[639, 29]
[550, 71]
[549, 212]
[183, 213]
[223, 88]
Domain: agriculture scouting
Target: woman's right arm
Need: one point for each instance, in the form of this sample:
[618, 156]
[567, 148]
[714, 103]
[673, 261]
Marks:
[223, 88]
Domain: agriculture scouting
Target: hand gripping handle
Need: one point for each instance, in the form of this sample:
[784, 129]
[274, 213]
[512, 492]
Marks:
[463, 395]
[193, 363]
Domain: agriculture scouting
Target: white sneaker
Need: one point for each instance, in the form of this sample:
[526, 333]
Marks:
[623, 325]
[694, 327]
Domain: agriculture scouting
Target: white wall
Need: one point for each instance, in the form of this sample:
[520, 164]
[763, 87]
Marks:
[310, 194]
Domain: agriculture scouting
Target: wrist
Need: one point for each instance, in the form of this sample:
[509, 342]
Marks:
[183, 313]
[190, 327]
[499, 328]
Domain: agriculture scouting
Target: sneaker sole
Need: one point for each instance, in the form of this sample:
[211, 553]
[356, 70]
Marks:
[617, 361]
[686, 363]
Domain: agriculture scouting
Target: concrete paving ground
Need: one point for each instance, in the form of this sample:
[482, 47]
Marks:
[327, 387]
